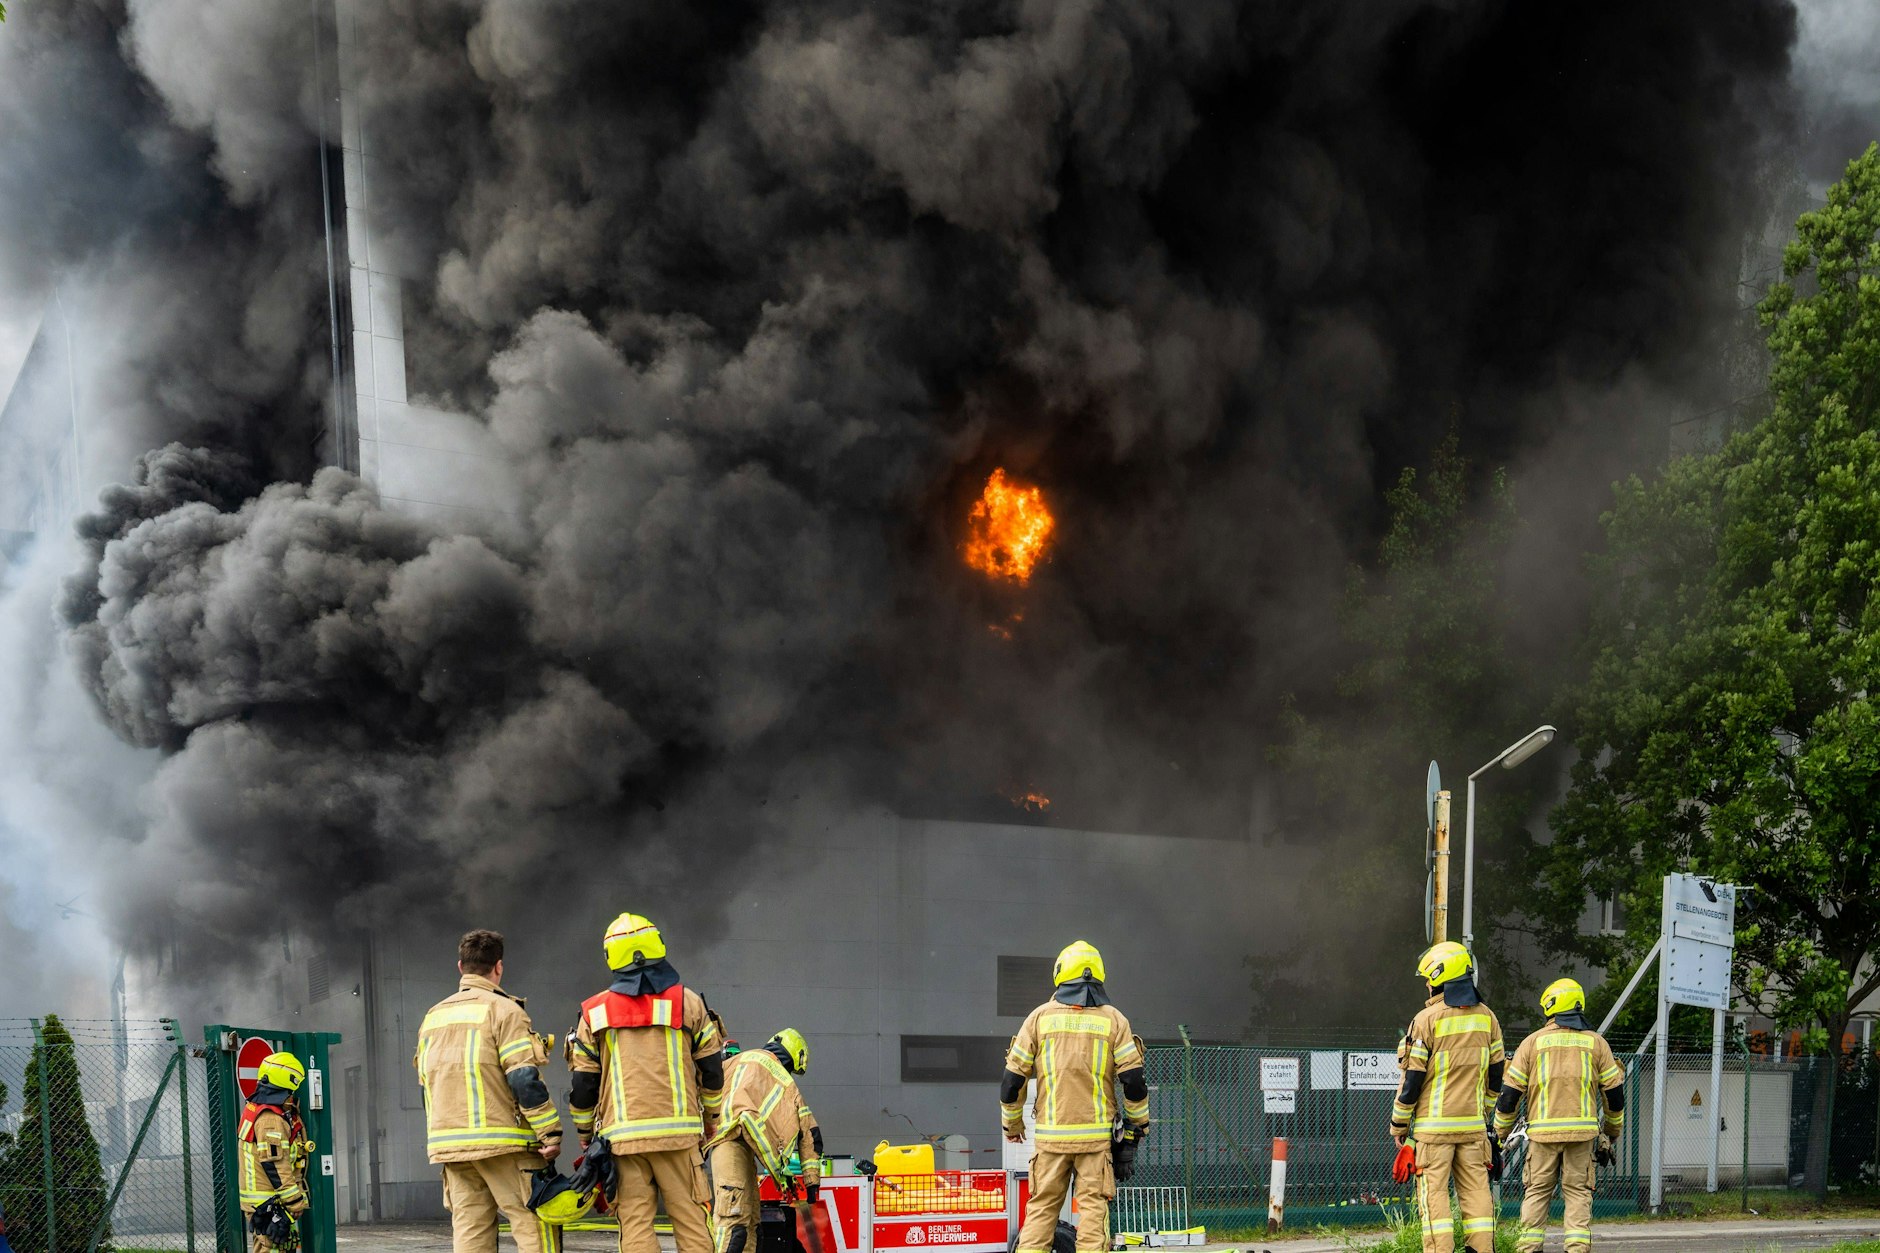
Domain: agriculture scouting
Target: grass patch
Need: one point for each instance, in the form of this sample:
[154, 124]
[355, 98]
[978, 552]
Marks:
[1763, 1203]
[1405, 1235]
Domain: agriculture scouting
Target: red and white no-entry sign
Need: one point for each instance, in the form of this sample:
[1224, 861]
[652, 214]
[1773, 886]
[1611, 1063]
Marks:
[248, 1059]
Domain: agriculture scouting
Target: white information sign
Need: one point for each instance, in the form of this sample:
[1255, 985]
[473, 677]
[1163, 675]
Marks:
[1700, 936]
[1372, 1072]
[1279, 1074]
[1328, 1071]
[1281, 1100]
[1694, 916]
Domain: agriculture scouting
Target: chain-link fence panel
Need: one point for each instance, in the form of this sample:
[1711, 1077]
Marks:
[103, 1138]
[1219, 1110]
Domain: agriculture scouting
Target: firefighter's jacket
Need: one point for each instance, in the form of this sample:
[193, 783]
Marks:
[479, 1060]
[1565, 1075]
[1075, 1053]
[274, 1151]
[764, 1106]
[1453, 1048]
[645, 1051]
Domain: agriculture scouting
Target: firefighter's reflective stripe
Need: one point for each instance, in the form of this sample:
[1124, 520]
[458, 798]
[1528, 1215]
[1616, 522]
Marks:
[461, 1014]
[517, 1053]
[482, 1137]
[1136, 1111]
[1023, 1055]
[1590, 1126]
[1069, 1131]
[1101, 1078]
[1462, 1024]
[1074, 1024]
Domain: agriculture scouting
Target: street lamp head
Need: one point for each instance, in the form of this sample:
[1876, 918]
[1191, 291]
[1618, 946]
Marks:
[1536, 740]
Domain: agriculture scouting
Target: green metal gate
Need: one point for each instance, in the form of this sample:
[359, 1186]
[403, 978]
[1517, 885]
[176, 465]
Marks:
[225, 1108]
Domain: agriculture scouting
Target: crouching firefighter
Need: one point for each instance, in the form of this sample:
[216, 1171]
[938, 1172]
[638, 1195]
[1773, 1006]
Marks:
[1575, 1090]
[648, 1064]
[490, 1122]
[765, 1123]
[1079, 1048]
[1452, 1071]
[274, 1152]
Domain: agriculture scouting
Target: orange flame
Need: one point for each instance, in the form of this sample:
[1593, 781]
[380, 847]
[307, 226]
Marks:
[1031, 802]
[1008, 530]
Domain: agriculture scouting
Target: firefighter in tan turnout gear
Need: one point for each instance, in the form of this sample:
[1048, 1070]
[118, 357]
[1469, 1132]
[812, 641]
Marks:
[1079, 1048]
[274, 1152]
[489, 1118]
[648, 1063]
[1453, 1062]
[1575, 1090]
[764, 1122]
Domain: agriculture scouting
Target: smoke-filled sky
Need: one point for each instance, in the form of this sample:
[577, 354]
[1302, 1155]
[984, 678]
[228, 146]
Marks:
[754, 296]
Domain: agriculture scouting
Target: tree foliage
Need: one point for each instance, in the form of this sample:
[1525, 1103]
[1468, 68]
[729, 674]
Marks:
[1730, 723]
[77, 1175]
[1429, 676]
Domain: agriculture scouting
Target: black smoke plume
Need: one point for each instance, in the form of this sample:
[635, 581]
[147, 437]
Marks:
[754, 296]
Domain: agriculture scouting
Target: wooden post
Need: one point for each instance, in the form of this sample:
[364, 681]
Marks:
[1439, 913]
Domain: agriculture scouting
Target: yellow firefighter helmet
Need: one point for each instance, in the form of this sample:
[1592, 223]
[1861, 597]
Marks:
[1562, 996]
[1444, 962]
[796, 1046]
[283, 1070]
[1079, 958]
[632, 938]
[557, 1200]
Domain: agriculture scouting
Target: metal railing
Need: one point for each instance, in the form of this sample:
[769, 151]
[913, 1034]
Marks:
[1215, 1125]
[102, 1138]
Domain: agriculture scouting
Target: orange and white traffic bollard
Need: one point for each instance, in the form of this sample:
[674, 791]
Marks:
[1276, 1190]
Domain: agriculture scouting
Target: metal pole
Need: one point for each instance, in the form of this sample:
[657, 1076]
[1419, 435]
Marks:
[1658, 1073]
[1468, 870]
[189, 1171]
[1746, 1073]
[1716, 1098]
[1439, 913]
[1188, 1113]
[45, 1134]
[1632, 986]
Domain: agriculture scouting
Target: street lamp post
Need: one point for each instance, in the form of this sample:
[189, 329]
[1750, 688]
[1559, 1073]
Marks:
[1510, 757]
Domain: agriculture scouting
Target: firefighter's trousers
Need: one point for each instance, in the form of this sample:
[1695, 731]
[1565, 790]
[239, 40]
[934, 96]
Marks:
[1051, 1181]
[476, 1193]
[736, 1210]
[1571, 1166]
[676, 1177]
[1466, 1165]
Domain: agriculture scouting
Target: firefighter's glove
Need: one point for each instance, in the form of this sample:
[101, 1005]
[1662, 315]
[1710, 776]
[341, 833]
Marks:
[1495, 1163]
[811, 1191]
[1123, 1152]
[1404, 1168]
[1602, 1152]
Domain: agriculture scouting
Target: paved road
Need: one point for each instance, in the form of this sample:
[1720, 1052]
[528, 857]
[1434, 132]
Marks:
[1667, 1237]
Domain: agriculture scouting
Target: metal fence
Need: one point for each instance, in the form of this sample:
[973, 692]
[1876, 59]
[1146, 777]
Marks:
[1218, 1110]
[103, 1138]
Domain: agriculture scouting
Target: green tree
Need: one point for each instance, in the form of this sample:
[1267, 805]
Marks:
[77, 1176]
[1429, 676]
[1729, 722]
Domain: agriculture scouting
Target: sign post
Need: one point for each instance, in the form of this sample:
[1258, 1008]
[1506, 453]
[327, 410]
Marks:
[1698, 940]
